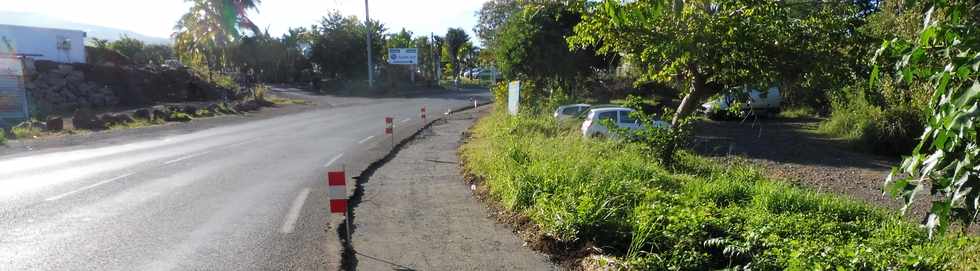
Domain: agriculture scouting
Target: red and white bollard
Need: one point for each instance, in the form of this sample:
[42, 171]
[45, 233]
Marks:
[423, 115]
[337, 191]
[337, 194]
[390, 130]
[389, 125]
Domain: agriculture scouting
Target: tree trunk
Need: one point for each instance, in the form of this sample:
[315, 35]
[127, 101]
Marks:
[699, 90]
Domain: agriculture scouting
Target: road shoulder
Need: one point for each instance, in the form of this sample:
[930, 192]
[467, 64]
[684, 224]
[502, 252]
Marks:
[417, 212]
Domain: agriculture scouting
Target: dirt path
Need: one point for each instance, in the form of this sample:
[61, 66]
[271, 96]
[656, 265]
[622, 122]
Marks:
[793, 151]
[416, 213]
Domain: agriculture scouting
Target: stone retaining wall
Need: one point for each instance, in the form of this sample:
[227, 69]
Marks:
[62, 88]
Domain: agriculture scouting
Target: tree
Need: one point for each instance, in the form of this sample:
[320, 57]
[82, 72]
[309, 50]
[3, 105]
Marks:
[705, 45]
[202, 35]
[531, 45]
[402, 39]
[468, 56]
[338, 50]
[820, 47]
[131, 48]
[490, 18]
[455, 39]
[157, 53]
[99, 43]
[945, 55]
[426, 51]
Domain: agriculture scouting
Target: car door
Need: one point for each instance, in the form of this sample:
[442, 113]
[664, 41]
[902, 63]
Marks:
[607, 115]
[627, 121]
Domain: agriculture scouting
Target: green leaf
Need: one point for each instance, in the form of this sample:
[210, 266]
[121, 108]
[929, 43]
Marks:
[968, 96]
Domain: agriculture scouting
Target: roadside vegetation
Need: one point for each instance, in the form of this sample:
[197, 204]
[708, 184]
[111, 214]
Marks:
[25, 131]
[693, 215]
[895, 77]
[799, 112]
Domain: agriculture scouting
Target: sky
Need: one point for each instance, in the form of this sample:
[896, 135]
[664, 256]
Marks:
[157, 17]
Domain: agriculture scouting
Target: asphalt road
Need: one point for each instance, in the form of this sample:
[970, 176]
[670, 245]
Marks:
[249, 195]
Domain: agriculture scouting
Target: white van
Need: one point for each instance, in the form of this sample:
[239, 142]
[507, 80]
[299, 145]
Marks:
[759, 102]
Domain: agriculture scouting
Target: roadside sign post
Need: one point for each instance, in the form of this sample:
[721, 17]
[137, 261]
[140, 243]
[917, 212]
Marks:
[337, 194]
[513, 96]
[404, 56]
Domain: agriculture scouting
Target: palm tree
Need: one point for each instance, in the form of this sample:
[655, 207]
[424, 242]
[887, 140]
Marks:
[455, 38]
[203, 33]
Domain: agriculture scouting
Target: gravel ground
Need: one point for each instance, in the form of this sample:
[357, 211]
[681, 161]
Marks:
[793, 151]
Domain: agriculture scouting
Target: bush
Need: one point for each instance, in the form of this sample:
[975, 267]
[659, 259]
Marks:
[179, 116]
[892, 131]
[851, 113]
[659, 143]
[3, 137]
[697, 215]
[26, 130]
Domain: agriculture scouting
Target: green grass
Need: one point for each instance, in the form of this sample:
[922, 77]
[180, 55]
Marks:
[465, 82]
[849, 123]
[287, 101]
[797, 113]
[3, 137]
[23, 132]
[137, 123]
[697, 215]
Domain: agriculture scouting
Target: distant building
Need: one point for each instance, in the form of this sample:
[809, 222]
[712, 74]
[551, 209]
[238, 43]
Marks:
[59, 45]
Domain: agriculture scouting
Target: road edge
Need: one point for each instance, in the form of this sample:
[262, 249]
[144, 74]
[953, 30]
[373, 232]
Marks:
[348, 260]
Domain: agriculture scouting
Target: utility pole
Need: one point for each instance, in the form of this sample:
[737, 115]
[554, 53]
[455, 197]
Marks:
[367, 23]
[436, 57]
[433, 60]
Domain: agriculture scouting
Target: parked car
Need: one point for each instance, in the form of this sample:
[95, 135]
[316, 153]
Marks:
[570, 111]
[474, 72]
[592, 126]
[758, 102]
[585, 112]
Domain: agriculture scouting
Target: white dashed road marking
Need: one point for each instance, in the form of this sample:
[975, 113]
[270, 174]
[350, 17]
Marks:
[88, 187]
[294, 211]
[365, 140]
[185, 158]
[334, 159]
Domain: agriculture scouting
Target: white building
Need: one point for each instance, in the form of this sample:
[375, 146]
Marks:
[59, 45]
